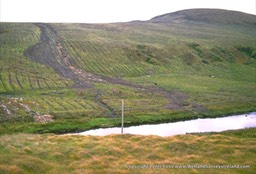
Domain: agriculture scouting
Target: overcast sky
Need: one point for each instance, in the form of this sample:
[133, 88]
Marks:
[102, 11]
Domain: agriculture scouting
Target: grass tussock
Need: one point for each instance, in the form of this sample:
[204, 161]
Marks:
[25, 153]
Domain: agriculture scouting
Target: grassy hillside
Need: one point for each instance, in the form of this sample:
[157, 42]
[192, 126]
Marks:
[26, 153]
[208, 15]
[166, 69]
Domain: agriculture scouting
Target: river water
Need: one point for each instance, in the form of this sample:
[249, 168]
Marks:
[183, 127]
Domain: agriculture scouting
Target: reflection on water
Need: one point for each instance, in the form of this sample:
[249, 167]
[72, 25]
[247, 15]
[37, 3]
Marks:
[183, 127]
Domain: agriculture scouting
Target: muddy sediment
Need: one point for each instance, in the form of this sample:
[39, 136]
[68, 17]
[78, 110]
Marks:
[49, 52]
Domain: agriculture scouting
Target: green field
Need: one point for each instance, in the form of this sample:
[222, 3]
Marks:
[166, 69]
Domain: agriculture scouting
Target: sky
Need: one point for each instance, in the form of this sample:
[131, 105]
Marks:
[105, 11]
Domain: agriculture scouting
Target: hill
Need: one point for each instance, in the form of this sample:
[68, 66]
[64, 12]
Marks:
[73, 76]
[208, 15]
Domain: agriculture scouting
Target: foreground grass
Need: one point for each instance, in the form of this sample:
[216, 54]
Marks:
[26, 153]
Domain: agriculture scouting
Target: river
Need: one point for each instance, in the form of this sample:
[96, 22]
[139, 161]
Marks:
[183, 127]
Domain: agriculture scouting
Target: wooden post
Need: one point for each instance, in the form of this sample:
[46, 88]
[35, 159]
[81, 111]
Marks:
[122, 124]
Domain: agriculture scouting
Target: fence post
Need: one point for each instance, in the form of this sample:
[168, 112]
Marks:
[122, 124]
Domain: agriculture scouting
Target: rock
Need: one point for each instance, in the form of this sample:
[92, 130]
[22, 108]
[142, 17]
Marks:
[43, 118]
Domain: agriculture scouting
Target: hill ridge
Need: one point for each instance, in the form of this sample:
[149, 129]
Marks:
[208, 15]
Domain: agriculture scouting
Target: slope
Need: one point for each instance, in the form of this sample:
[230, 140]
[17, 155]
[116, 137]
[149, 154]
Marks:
[208, 15]
[168, 68]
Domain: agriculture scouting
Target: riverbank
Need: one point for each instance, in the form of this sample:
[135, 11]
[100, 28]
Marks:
[48, 153]
[75, 126]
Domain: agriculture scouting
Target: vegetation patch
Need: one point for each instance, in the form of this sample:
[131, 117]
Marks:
[26, 153]
[249, 51]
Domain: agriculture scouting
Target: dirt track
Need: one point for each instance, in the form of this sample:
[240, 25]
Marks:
[50, 52]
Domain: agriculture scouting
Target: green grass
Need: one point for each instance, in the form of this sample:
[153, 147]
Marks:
[26, 153]
[18, 73]
[213, 91]
[212, 64]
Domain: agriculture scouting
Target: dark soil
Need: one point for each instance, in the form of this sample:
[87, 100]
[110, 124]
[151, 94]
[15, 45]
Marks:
[48, 51]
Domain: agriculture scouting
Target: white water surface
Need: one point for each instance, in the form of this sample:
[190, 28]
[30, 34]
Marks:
[183, 127]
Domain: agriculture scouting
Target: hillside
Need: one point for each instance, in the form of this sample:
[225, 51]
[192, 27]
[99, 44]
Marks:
[208, 15]
[173, 67]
